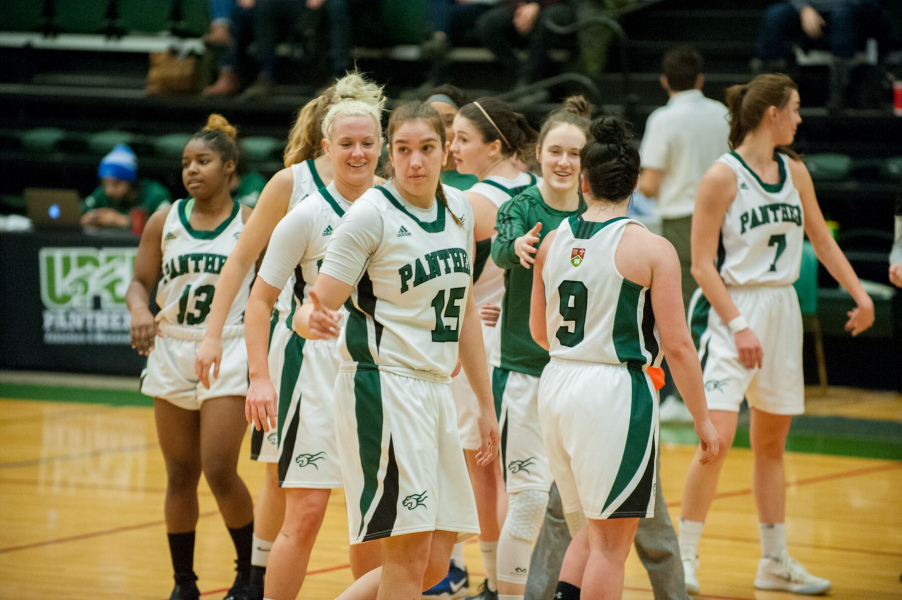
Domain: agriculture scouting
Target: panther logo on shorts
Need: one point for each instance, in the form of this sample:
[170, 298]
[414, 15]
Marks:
[273, 438]
[716, 385]
[309, 460]
[516, 466]
[415, 500]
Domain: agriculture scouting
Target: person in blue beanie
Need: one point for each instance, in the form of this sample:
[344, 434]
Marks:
[120, 191]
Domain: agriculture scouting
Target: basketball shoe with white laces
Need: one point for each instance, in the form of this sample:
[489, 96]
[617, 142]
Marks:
[786, 574]
[690, 566]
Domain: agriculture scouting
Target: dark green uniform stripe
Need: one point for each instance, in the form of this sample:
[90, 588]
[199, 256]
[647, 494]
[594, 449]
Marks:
[636, 504]
[291, 371]
[640, 429]
[291, 437]
[698, 320]
[626, 333]
[499, 383]
[367, 396]
[383, 520]
[483, 252]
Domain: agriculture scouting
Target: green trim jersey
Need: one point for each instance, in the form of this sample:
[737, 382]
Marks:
[593, 313]
[762, 233]
[306, 182]
[488, 279]
[518, 350]
[298, 243]
[192, 260]
[411, 272]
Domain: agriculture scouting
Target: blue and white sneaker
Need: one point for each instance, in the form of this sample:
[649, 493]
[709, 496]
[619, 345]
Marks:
[455, 585]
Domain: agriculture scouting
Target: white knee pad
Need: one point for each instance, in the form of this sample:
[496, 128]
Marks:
[525, 514]
[575, 521]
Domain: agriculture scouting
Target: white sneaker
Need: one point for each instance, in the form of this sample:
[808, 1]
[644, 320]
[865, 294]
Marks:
[690, 566]
[674, 411]
[786, 574]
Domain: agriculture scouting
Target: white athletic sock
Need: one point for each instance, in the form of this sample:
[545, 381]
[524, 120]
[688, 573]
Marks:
[690, 534]
[457, 556]
[260, 552]
[490, 561]
[773, 539]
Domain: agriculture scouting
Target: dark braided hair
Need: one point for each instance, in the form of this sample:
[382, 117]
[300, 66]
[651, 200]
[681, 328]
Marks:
[220, 136]
[610, 160]
[514, 132]
[419, 111]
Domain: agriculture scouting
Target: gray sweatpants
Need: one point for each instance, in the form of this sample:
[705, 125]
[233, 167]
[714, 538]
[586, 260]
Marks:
[656, 544]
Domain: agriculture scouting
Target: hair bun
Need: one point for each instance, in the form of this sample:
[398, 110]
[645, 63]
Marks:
[216, 122]
[354, 87]
[611, 130]
[579, 106]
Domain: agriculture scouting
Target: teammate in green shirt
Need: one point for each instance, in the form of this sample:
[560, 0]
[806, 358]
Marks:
[521, 224]
[120, 191]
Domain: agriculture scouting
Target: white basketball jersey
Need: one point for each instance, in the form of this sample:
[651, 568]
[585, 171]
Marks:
[306, 181]
[192, 261]
[488, 279]
[407, 307]
[593, 313]
[298, 243]
[763, 230]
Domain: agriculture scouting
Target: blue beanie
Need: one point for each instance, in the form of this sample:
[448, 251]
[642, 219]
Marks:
[121, 163]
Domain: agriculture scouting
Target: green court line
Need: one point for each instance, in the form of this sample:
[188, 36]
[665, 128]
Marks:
[19, 391]
[836, 436]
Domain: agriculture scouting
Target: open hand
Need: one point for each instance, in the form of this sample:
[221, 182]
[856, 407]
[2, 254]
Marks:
[525, 246]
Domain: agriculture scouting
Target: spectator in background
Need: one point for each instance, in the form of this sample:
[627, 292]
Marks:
[682, 139]
[518, 23]
[120, 191]
[220, 33]
[263, 21]
[452, 21]
[895, 256]
[847, 23]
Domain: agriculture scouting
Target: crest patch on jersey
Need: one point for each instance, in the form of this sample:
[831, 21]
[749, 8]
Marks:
[576, 256]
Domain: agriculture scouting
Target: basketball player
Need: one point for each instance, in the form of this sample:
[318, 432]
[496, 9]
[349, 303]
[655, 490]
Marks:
[308, 463]
[603, 289]
[403, 255]
[515, 382]
[200, 428]
[753, 209]
[306, 170]
[486, 135]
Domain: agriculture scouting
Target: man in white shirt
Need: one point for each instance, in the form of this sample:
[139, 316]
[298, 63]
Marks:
[682, 139]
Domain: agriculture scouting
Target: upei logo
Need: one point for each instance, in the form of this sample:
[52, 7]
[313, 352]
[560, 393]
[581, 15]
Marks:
[309, 460]
[576, 256]
[516, 466]
[415, 500]
[83, 292]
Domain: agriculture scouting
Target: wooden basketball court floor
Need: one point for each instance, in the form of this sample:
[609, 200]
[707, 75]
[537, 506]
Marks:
[82, 485]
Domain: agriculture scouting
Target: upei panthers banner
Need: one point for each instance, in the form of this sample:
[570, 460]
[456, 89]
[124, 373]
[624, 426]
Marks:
[83, 293]
[62, 301]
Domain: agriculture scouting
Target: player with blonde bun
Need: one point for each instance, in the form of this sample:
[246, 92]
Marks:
[200, 428]
[308, 463]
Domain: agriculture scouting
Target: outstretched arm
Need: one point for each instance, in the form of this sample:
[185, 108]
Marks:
[829, 253]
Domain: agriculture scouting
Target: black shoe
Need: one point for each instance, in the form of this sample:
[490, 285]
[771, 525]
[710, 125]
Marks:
[484, 593]
[185, 587]
[241, 587]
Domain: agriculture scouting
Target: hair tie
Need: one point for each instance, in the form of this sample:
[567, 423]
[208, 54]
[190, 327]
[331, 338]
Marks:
[493, 125]
[442, 98]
